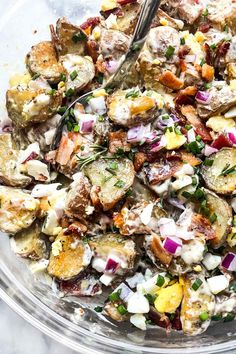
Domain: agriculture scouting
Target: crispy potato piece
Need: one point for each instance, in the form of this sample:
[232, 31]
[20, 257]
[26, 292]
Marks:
[42, 60]
[139, 160]
[114, 244]
[127, 22]
[28, 243]
[26, 107]
[159, 252]
[113, 43]
[18, 210]
[194, 303]
[118, 140]
[223, 211]
[171, 81]
[127, 111]
[189, 158]
[82, 68]
[65, 40]
[9, 167]
[69, 257]
[191, 114]
[112, 186]
[202, 227]
[216, 176]
[78, 197]
[208, 72]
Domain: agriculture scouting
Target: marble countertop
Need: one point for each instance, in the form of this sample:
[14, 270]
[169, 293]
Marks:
[19, 337]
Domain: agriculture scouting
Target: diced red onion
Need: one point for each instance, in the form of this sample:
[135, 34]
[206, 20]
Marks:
[111, 265]
[125, 2]
[232, 137]
[112, 66]
[176, 203]
[141, 133]
[167, 227]
[174, 117]
[150, 137]
[172, 245]
[157, 146]
[203, 97]
[209, 150]
[229, 262]
[125, 291]
[190, 58]
[191, 135]
[86, 123]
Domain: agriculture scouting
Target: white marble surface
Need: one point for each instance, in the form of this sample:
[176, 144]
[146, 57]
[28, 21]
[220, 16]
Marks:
[19, 337]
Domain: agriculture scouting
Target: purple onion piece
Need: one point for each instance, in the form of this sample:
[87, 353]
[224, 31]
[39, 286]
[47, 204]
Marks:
[203, 97]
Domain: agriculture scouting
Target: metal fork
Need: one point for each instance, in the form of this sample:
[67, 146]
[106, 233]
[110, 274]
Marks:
[148, 12]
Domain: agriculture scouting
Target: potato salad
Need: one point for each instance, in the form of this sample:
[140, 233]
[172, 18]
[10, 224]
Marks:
[137, 203]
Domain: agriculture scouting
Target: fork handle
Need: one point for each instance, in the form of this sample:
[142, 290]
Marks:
[147, 14]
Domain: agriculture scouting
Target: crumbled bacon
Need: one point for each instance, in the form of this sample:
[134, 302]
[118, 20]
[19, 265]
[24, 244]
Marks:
[204, 27]
[118, 140]
[91, 22]
[190, 113]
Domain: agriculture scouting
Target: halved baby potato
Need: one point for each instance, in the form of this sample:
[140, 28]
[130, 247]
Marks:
[223, 211]
[42, 60]
[18, 209]
[114, 244]
[221, 176]
[66, 39]
[131, 107]
[112, 183]
[29, 244]
[113, 43]
[79, 70]
[10, 173]
[69, 257]
[195, 303]
[26, 107]
[127, 21]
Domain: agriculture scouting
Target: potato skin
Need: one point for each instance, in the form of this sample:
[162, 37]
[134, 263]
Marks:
[18, 210]
[9, 167]
[194, 303]
[28, 243]
[64, 42]
[16, 101]
[109, 194]
[74, 256]
[211, 174]
[222, 225]
[42, 60]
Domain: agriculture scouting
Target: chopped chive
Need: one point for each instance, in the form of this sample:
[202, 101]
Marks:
[186, 195]
[229, 317]
[110, 171]
[98, 309]
[194, 180]
[169, 52]
[135, 47]
[132, 94]
[178, 131]
[227, 170]
[233, 288]
[76, 128]
[196, 285]
[150, 298]
[188, 127]
[101, 119]
[115, 296]
[82, 148]
[62, 110]
[213, 46]
[198, 138]
[122, 310]
[208, 162]
[202, 62]
[63, 78]
[36, 76]
[52, 92]
[213, 218]
[73, 75]
[207, 85]
[100, 78]
[182, 41]
[199, 194]
[113, 165]
[70, 92]
[79, 37]
[119, 184]
[204, 316]
[216, 317]
[205, 13]
[160, 280]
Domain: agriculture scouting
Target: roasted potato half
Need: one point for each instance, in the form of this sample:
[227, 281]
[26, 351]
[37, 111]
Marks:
[224, 215]
[66, 38]
[29, 244]
[42, 60]
[114, 244]
[130, 107]
[112, 184]
[80, 71]
[26, 107]
[9, 167]
[18, 209]
[221, 176]
[127, 22]
[196, 302]
[69, 256]
[113, 43]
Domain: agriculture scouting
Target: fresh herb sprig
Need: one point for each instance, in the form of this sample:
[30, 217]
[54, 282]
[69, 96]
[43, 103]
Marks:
[227, 170]
[98, 149]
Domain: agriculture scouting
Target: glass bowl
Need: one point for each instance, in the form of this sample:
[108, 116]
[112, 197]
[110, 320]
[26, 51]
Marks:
[22, 24]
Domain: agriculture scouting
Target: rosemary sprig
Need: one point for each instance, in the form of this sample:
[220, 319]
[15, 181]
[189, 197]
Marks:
[227, 170]
[84, 161]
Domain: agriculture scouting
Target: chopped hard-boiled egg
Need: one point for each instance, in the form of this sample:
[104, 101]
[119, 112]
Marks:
[211, 261]
[169, 298]
[174, 141]
[218, 283]
[19, 79]
[139, 321]
[138, 303]
[108, 5]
